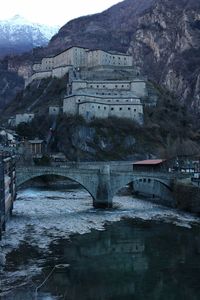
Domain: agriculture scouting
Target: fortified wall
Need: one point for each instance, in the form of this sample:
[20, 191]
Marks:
[75, 58]
[100, 84]
[103, 99]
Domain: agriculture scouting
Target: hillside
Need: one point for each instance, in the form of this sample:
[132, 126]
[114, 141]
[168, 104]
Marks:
[162, 35]
[169, 129]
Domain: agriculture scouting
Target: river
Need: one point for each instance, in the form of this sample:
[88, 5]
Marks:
[57, 246]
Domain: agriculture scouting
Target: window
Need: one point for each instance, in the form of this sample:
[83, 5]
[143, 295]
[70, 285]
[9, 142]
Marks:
[112, 108]
[144, 180]
[120, 108]
[104, 107]
[129, 108]
[149, 180]
[98, 107]
[134, 109]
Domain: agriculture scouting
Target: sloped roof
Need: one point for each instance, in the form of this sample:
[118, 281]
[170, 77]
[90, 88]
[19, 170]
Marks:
[149, 162]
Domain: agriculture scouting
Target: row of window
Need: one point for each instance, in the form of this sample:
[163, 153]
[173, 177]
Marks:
[145, 180]
[103, 86]
[120, 108]
[116, 100]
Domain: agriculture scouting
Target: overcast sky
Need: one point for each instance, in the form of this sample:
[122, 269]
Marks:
[50, 12]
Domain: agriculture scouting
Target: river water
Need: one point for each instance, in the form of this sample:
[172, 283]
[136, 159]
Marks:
[57, 246]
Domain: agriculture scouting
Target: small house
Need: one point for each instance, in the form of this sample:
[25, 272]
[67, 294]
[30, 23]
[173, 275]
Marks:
[36, 146]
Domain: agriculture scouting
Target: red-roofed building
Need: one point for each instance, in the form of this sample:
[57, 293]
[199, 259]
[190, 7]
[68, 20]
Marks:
[151, 165]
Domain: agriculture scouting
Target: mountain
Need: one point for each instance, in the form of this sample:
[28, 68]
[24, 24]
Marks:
[18, 35]
[109, 30]
[162, 35]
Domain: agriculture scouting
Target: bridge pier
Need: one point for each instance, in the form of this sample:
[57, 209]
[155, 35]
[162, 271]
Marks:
[103, 197]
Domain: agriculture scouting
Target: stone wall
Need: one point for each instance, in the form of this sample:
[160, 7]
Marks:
[39, 75]
[79, 57]
[136, 87]
[101, 58]
[75, 56]
[158, 192]
[23, 118]
[182, 196]
[98, 107]
[187, 197]
[54, 110]
[60, 72]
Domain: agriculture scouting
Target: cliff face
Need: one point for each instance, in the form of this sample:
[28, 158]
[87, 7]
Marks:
[166, 46]
[109, 30]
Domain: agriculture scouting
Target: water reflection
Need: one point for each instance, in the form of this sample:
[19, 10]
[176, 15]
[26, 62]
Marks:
[130, 260]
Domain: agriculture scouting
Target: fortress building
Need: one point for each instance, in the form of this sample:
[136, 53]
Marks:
[100, 84]
[74, 58]
[106, 98]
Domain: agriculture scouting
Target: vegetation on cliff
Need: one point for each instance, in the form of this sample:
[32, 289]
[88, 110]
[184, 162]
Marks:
[168, 131]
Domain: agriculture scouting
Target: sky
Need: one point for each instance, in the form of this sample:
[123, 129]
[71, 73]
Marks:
[51, 12]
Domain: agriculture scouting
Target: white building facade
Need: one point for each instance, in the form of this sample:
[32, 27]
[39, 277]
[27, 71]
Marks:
[103, 99]
[76, 57]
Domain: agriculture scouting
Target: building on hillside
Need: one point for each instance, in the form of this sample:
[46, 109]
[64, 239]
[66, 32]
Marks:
[76, 58]
[24, 118]
[100, 83]
[102, 58]
[36, 147]
[103, 99]
[20, 118]
[91, 107]
[54, 110]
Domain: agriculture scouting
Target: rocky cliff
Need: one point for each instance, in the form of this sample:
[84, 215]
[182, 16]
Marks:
[166, 46]
[162, 35]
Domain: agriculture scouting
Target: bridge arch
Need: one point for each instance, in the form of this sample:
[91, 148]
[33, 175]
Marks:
[24, 175]
[125, 181]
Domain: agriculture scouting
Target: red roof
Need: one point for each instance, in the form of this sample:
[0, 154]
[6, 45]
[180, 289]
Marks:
[149, 162]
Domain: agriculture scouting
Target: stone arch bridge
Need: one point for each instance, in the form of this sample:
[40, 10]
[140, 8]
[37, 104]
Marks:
[102, 182]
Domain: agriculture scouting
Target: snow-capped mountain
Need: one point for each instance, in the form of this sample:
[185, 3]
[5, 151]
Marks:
[18, 35]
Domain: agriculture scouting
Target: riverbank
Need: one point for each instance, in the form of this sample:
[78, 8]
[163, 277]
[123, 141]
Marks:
[43, 218]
